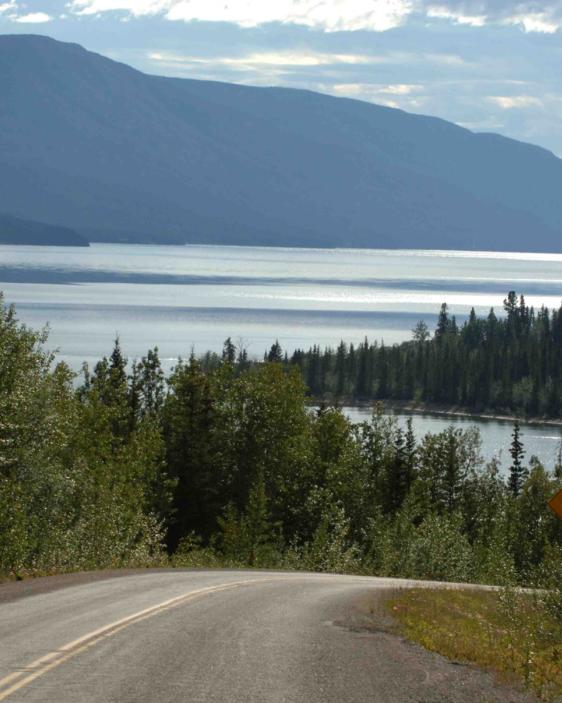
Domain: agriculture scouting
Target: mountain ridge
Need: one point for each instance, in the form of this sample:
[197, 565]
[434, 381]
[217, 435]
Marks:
[14, 230]
[126, 156]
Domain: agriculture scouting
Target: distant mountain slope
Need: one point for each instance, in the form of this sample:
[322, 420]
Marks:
[98, 146]
[16, 231]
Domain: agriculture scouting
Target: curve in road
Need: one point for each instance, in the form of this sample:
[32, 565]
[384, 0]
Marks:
[222, 636]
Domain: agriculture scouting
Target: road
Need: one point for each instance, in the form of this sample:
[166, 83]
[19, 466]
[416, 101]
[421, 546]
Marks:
[218, 636]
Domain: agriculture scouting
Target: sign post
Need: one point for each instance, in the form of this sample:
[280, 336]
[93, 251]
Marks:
[556, 504]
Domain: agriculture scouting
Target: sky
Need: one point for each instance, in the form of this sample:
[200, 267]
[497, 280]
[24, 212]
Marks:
[489, 65]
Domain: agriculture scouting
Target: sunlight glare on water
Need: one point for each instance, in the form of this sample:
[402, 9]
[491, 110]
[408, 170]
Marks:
[195, 296]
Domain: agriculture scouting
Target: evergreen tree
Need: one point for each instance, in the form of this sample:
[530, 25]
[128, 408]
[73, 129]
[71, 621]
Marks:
[229, 351]
[190, 430]
[275, 354]
[443, 322]
[517, 472]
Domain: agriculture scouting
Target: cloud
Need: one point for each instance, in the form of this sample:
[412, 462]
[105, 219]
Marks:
[396, 95]
[296, 61]
[7, 7]
[356, 89]
[536, 22]
[137, 8]
[445, 13]
[327, 15]
[10, 10]
[544, 16]
[267, 59]
[510, 102]
[33, 18]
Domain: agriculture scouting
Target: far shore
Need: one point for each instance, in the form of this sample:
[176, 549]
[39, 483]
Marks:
[411, 407]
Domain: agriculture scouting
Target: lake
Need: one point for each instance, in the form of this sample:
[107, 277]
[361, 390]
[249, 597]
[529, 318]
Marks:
[193, 297]
[542, 441]
[187, 297]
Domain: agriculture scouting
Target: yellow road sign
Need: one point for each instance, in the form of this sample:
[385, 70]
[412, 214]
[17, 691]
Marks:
[556, 504]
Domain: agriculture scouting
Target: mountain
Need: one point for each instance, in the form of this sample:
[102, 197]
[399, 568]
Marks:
[119, 155]
[16, 231]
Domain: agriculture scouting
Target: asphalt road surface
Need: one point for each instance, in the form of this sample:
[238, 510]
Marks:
[218, 636]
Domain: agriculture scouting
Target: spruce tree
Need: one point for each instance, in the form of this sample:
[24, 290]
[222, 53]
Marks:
[275, 354]
[229, 351]
[443, 321]
[517, 472]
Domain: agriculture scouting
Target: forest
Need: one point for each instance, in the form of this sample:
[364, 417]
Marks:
[229, 466]
[511, 363]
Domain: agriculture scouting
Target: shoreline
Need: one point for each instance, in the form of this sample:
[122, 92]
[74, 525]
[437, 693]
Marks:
[413, 408]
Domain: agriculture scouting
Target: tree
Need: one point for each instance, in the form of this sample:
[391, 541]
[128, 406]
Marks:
[443, 322]
[147, 386]
[257, 524]
[190, 424]
[341, 355]
[275, 354]
[229, 351]
[517, 472]
[421, 333]
[398, 474]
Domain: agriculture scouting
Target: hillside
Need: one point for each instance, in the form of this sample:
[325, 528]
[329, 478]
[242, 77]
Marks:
[16, 231]
[120, 155]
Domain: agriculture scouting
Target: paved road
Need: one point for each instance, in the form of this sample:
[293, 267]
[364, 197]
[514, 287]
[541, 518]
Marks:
[219, 636]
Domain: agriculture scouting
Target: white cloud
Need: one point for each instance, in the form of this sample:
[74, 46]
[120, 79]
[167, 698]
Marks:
[340, 15]
[328, 15]
[396, 95]
[353, 89]
[277, 63]
[544, 16]
[485, 125]
[138, 8]
[10, 10]
[535, 22]
[510, 102]
[33, 18]
[7, 6]
[400, 89]
[445, 13]
[257, 60]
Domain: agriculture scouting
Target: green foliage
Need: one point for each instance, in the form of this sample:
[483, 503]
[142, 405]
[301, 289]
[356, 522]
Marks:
[436, 549]
[77, 476]
[331, 549]
[226, 465]
[511, 364]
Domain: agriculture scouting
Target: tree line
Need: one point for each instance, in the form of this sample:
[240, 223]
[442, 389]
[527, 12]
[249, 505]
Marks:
[225, 463]
[510, 364]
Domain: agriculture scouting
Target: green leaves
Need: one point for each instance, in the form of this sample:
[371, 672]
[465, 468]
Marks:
[226, 463]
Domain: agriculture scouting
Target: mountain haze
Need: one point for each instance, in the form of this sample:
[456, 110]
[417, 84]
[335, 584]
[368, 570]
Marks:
[119, 155]
[16, 231]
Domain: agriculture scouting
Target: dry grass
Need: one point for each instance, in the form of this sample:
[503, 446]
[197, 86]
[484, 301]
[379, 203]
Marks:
[509, 633]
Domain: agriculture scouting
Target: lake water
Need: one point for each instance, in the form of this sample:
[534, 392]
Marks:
[193, 297]
[196, 296]
[542, 441]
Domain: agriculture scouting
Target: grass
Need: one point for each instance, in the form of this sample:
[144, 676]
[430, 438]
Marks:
[510, 633]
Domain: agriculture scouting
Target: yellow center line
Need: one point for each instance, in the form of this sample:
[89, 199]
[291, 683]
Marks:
[53, 659]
